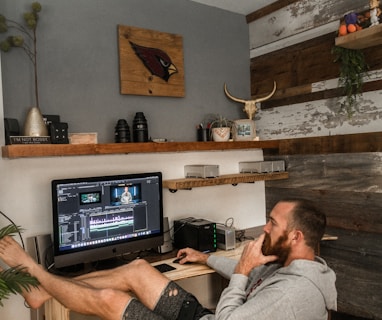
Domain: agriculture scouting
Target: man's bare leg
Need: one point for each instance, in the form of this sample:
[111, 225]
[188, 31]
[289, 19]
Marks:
[139, 277]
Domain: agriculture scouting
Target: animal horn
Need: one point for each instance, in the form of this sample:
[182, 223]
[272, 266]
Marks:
[232, 97]
[257, 100]
[269, 95]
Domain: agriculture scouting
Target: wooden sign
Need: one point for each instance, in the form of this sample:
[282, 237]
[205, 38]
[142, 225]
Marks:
[150, 62]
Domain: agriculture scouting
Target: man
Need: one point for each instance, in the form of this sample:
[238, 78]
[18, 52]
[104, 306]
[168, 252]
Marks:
[126, 196]
[299, 286]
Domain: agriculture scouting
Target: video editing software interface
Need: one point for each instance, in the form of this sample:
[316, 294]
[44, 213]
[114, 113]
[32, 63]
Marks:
[97, 213]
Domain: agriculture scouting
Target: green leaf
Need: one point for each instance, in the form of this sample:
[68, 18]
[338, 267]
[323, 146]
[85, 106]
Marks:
[9, 230]
[352, 66]
[15, 281]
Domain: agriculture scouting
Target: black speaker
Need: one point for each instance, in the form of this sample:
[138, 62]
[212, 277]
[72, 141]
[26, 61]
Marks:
[11, 127]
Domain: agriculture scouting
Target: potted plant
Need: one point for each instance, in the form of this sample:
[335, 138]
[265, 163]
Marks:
[14, 280]
[220, 128]
[26, 39]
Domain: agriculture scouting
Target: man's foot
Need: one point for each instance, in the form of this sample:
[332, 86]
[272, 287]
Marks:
[13, 255]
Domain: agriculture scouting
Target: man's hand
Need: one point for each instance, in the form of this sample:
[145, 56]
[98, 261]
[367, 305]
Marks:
[191, 255]
[253, 257]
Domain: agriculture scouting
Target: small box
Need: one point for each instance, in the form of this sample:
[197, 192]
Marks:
[226, 237]
[278, 166]
[83, 138]
[201, 171]
[261, 166]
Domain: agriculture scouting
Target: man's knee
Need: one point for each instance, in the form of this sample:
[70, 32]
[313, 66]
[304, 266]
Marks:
[112, 302]
[138, 264]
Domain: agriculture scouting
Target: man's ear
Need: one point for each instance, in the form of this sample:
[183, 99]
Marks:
[297, 235]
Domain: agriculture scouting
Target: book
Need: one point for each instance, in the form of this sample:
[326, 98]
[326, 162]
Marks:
[29, 140]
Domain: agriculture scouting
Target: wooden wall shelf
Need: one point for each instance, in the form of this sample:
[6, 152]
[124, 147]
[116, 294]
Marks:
[349, 143]
[362, 39]
[234, 179]
[53, 150]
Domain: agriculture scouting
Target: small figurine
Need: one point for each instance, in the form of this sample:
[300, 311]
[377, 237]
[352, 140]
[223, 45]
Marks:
[374, 12]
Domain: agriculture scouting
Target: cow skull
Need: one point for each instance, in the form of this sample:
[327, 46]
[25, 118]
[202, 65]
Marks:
[250, 105]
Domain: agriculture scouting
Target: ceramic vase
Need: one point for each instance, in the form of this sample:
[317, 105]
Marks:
[221, 134]
[34, 125]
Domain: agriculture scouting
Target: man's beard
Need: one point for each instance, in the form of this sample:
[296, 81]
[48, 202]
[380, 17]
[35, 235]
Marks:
[279, 249]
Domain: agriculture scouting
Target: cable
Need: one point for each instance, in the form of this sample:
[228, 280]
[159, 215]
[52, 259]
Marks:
[229, 222]
[18, 231]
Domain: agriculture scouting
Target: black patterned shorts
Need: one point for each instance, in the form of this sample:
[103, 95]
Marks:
[180, 305]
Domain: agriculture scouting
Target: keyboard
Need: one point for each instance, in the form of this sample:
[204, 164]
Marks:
[164, 267]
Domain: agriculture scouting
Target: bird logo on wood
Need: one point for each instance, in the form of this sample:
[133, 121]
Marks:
[155, 60]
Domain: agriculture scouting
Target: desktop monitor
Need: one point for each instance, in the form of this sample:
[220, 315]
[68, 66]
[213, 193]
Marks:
[98, 218]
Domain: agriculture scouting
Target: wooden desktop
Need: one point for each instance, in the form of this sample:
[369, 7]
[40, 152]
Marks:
[199, 275]
[55, 310]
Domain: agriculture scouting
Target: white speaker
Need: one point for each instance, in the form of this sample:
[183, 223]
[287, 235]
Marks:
[167, 244]
[226, 237]
[39, 247]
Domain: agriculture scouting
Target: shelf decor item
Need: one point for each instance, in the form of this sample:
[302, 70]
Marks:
[250, 106]
[220, 128]
[14, 280]
[151, 62]
[27, 41]
[245, 129]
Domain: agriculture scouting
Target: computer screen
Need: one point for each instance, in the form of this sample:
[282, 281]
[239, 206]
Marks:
[97, 218]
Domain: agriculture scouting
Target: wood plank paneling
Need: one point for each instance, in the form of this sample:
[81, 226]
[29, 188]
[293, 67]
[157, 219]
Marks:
[301, 65]
[357, 260]
[349, 143]
[348, 188]
[277, 5]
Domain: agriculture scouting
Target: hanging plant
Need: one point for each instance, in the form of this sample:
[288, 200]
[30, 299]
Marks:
[352, 66]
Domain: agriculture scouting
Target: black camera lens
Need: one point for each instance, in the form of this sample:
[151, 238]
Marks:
[122, 131]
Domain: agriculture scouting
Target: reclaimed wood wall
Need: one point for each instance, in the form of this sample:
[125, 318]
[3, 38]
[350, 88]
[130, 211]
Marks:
[341, 174]
[348, 188]
[301, 69]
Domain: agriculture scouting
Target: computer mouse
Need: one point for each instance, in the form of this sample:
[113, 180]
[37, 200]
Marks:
[177, 260]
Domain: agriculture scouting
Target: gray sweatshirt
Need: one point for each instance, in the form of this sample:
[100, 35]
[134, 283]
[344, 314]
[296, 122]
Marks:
[304, 290]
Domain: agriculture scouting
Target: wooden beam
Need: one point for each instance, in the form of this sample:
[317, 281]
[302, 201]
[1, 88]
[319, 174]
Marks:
[289, 98]
[277, 5]
[349, 143]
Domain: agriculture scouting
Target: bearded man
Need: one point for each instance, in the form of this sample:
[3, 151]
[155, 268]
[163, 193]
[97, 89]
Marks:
[277, 277]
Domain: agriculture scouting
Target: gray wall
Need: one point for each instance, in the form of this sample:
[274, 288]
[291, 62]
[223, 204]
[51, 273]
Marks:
[79, 68]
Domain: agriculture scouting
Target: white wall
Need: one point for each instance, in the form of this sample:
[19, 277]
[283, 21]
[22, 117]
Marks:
[26, 197]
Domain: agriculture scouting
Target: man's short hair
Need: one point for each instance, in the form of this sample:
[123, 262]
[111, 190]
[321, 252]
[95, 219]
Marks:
[307, 218]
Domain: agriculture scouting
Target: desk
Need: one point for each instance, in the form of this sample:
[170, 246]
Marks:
[54, 310]
[198, 273]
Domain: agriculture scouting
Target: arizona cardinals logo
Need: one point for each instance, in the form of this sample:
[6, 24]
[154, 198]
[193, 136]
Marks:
[156, 61]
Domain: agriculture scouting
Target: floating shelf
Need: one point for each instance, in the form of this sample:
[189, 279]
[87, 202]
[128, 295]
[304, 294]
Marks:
[234, 179]
[52, 150]
[362, 39]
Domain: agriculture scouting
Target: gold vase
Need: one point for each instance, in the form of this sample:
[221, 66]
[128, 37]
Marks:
[34, 125]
